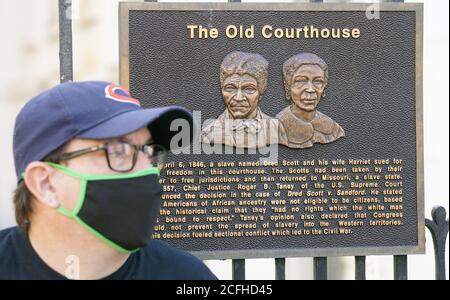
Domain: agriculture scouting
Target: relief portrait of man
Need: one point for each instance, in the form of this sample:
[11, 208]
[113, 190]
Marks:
[243, 80]
[305, 78]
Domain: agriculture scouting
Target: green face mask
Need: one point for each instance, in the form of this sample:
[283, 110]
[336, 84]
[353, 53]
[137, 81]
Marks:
[119, 209]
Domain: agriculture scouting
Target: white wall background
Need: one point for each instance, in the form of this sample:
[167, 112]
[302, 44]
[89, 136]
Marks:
[29, 64]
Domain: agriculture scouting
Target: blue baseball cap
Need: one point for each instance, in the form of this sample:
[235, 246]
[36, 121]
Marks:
[89, 110]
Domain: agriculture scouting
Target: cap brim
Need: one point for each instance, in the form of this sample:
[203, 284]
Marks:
[158, 121]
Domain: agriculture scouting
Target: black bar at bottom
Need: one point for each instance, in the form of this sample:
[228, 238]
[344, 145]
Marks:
[238, 269]
[400, 267]
[320, 268]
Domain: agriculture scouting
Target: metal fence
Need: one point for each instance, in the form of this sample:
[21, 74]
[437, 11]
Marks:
[438, 226]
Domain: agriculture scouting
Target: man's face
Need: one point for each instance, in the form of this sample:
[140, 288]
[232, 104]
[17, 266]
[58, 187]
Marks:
[241, 95]
[68, 188]
[308, 84]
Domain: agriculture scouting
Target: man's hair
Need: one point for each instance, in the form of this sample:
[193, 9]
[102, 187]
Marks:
[295, 62]
[242, 63]
[23, 197]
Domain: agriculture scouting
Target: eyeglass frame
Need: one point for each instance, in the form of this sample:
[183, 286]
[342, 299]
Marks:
[104, 147]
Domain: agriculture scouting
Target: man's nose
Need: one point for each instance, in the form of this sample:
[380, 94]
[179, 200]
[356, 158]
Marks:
[239, 95]
[142, 162]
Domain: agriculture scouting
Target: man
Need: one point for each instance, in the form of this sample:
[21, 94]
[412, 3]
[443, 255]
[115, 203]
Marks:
[305, 79]
[243, 80]
[87, 159]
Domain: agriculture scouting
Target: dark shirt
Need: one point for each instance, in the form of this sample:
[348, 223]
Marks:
[157, 261]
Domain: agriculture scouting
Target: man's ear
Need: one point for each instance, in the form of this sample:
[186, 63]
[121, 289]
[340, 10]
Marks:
[39, 179]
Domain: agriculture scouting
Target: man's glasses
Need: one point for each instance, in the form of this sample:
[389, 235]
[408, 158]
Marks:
[122, 156]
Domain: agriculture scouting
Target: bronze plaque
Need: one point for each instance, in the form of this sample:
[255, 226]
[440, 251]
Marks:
[308, 138]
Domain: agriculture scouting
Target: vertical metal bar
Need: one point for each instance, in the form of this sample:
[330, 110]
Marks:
[280, 268]
[238, 269]
[65, 41]
[238, 264]
[360, 267]
[320, 268]
[439, 231]
[320, 263]
[400, 267]
[400, 261]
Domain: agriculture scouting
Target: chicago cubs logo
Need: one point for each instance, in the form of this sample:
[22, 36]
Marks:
[118, 93]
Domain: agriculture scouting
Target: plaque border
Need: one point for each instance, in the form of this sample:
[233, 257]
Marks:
[124, 71]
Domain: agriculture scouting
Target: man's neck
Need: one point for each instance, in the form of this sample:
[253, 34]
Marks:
[73, 253]
[253, 115]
